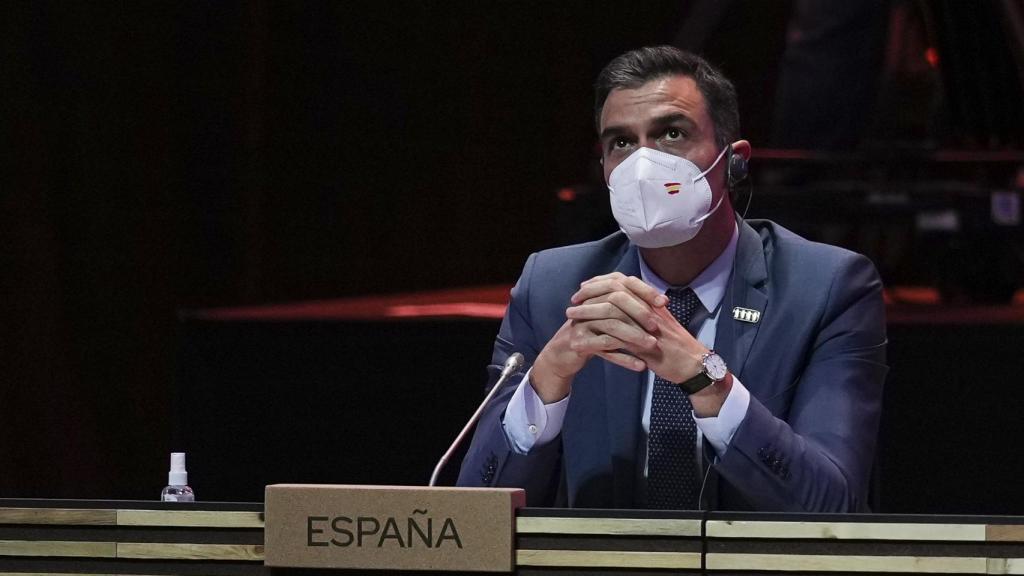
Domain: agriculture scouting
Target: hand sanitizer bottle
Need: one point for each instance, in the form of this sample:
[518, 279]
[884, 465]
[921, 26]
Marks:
[177, 480]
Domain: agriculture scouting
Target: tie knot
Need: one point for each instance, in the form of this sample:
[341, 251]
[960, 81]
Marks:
[682, 303]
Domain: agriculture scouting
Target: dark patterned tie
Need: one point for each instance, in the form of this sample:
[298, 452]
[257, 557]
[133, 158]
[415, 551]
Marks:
[672, 478]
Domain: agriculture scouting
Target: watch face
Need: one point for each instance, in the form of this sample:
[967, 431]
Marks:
[715, 367]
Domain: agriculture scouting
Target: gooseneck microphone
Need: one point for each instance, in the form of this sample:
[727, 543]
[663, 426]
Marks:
[512, 365]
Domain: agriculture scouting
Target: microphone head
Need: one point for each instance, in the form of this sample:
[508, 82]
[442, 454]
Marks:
[513, 363]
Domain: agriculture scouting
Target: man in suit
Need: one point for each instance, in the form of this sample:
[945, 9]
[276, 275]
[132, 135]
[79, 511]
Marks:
[694, 359]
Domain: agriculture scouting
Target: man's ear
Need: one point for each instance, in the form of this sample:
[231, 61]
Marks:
[742, 147]
[737, 169]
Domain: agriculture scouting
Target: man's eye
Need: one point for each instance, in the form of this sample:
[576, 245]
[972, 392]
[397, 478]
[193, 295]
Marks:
[674, 133]
[620, 143]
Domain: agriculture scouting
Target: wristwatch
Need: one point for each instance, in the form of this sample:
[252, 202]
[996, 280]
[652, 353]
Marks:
[714, 370]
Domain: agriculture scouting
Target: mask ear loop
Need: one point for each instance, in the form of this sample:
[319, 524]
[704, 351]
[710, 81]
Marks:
[710, 212]
[713, 164]
[720, 198]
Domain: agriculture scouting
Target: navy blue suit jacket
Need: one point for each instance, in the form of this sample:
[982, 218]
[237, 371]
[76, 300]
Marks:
[814, 365]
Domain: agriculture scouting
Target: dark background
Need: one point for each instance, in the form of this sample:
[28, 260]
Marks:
[174, 156]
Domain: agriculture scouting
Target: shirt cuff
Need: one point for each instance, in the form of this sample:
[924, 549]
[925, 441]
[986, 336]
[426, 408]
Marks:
[528, 421]
[719, 430]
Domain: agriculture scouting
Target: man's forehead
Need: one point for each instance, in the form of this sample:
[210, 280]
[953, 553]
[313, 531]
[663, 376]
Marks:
[656, 98]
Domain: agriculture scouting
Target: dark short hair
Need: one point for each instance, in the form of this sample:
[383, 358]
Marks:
[638, 67]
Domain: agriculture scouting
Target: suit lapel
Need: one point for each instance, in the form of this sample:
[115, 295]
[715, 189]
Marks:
[747, 289]
[623, 390]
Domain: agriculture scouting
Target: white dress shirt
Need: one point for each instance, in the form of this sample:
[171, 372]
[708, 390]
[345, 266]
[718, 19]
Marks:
[529, 422]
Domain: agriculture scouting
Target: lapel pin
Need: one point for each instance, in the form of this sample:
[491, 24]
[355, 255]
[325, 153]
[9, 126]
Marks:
[746, 315]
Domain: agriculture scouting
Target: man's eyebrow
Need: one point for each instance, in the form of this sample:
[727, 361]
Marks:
[612, 131]
[674, 118]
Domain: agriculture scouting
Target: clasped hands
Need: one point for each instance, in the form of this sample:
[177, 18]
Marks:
[626, 322]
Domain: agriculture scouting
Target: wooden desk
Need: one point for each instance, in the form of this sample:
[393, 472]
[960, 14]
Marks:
[863, 544]
[122, 537]
[125, 537]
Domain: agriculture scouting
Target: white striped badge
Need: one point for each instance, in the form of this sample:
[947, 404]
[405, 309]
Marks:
[746, 315]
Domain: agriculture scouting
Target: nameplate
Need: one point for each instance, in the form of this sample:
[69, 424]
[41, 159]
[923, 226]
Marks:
[390, 527]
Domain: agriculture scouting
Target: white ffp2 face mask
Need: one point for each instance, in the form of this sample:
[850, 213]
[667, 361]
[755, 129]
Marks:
[659, 199]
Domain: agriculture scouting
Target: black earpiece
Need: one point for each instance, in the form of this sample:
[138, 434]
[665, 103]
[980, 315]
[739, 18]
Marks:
[737, 170]
[736, 173]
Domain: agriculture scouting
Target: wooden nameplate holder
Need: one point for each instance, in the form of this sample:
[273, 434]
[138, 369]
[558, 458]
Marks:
[391, 527]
